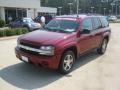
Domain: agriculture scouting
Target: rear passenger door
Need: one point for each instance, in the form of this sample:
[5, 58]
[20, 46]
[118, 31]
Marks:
[86, 40]
[97, 31]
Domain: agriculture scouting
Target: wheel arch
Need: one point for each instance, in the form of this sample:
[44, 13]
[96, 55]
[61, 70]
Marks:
[71, 48]
[107, 37]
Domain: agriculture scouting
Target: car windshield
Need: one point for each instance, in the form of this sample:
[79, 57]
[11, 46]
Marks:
[57, 25]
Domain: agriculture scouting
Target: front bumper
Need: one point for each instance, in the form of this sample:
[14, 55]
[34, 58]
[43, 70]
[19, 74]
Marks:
[51, 62]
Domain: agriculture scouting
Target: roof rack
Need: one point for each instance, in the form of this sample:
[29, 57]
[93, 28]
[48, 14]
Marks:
[75, 15]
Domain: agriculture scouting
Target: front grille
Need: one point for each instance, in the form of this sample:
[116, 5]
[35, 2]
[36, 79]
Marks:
[30, 45]
[30, 52]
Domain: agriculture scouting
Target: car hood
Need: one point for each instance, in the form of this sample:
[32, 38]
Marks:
[44, 37]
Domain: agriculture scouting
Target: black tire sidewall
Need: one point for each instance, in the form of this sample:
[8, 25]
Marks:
[61, 68]
[99, 50]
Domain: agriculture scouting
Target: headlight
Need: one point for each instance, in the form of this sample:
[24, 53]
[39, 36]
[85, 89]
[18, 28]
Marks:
[30, 24]
[47, 50]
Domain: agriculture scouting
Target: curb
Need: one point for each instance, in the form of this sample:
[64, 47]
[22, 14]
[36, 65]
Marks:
[9, 38]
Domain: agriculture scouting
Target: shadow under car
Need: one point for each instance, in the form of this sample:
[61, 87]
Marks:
[26, 76]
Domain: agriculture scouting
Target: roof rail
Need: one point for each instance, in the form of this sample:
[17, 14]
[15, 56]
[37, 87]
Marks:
[77, 16]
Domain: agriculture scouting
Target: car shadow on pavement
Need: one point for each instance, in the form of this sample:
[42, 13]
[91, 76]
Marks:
[26, 76]
[83, 60]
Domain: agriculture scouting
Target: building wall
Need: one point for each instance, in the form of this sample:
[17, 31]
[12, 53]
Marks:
[2, 13]
[33, 7]
[47, 10]
[20, 3]
[31, 13]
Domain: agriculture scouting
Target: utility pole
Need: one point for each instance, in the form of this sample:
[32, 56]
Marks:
[77, 4]
[77, 7]
[92, 9]
[104, 11]
[112, 4]
[79, 10]
[101, 5]
[116, 4]
[60, 10]
[119, 10]
[116, 9]
[110, 13]
[70, 4]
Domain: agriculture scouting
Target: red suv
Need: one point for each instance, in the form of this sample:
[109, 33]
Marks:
[63, 40]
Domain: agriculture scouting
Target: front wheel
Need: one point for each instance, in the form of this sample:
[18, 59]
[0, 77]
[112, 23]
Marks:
[67, 62]
[103, 47]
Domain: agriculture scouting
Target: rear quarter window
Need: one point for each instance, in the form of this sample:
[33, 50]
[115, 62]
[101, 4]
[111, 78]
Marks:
[104, 22]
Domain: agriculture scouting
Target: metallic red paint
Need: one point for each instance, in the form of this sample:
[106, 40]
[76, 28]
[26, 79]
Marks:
[61, 42]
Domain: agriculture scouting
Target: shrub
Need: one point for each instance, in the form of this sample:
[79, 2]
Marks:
[2, 33]
[2, 23]
[10, 32]
[18, 31]
[24, 30]
[13, 31]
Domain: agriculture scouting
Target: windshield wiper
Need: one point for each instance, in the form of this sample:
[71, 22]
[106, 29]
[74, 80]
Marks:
[48, 29]
[63, 31]
[57, 30]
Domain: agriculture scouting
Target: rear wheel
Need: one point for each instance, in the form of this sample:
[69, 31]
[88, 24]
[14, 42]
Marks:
[67, 62]
[103, 47]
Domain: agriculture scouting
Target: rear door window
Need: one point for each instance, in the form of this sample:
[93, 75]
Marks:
[97, 23]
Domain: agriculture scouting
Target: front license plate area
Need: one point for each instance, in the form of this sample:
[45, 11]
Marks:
[24, 58]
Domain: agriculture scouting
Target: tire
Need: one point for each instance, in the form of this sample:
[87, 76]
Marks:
[103, 47]
[66, 64]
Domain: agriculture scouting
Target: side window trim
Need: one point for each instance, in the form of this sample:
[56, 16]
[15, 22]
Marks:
[100, 22]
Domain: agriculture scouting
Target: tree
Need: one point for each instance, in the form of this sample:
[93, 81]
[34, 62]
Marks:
[84, 5]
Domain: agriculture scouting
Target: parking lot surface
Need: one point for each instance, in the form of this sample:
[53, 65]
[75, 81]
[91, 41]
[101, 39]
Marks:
[91, 72]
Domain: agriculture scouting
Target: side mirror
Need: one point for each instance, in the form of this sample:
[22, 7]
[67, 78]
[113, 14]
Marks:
[85, 31]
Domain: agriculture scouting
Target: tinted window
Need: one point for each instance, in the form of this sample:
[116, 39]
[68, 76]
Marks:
[62, 25]
[97, 23]
[104, 21]
[87, 24]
